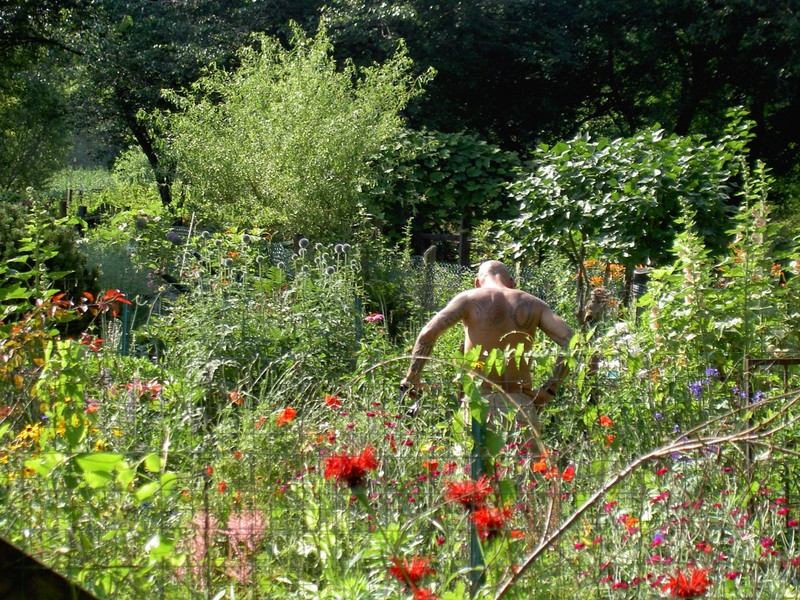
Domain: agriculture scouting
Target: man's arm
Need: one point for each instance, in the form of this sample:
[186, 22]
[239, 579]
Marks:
[451, 314]
[557, 330]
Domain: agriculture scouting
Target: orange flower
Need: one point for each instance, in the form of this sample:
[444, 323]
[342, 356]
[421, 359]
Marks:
[410, 572]
[260, 422]
[606, 421]
[681, 586]
[287, 416]
[469, 494]
[431, 465]
[332, 401]
[350, 470]
[235, 397]
[490, 520]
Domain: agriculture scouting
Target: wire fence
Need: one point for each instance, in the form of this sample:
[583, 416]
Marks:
[265, 522]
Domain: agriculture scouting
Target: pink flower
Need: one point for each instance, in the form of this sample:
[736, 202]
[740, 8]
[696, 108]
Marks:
[374, 318]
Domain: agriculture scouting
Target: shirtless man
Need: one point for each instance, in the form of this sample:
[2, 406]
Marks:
[495, 315]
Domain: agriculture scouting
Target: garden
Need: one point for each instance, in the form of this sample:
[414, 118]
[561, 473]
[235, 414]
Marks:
[196, 406]
[244, 436]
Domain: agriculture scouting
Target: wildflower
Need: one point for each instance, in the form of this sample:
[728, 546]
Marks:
[287, 416]
[235, 397]
[688, 586]
[631, 523]
[658, 539]
[260, 422]
[490, 520]
[568, 474]
[606, 421]
[733, 574]
[696, 389]
[222, 487]
[374, 318]
[432, 466]
[350, 470]
[410, 572]
[423, 594]
[332, 401]
[469, 494]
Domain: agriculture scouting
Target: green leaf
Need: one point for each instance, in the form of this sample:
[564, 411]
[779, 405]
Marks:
[494, 442]
[152, 463]
[168, 481]
[98, 462]
[97, 479]
[146, 491]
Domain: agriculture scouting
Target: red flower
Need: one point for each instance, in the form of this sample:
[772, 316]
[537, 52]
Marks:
[423, 594]
[332, 401]
[222, 487]
[606, 421]
[410, 572]
[287, 416]
[350, 469]
[568, 474]
[490, 521]
[691, 586]
[469, 494]
[235, 397]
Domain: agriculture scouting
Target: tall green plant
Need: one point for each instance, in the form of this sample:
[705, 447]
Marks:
[283, 142]
[618, 199]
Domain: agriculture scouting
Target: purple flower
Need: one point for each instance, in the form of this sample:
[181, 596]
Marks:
[712, 372]
[696, 388]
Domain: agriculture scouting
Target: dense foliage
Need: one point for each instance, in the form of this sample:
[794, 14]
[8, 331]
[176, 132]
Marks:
[284, 142]
[247, 438]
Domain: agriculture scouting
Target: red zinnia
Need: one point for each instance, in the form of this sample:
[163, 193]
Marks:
[287, 416]
[350, 469]
[410, 572]
[490, 521]
[681, 586]
[469, 494]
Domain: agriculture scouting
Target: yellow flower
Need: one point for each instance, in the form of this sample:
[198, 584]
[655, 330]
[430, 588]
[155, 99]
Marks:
[30, 432]
[28, 472]
[100, 446]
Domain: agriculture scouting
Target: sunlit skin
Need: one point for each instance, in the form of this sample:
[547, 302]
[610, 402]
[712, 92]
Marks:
[495, 315]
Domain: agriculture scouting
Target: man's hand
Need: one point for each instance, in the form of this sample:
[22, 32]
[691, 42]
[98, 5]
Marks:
[410, 388]
[543, 397]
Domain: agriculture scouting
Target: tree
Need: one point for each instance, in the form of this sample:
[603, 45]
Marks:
[443, 182]
[36, 40]
[136, 50]
[285, 140]
[620, 199]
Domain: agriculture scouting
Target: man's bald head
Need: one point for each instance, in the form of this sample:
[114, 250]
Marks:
[494, 270]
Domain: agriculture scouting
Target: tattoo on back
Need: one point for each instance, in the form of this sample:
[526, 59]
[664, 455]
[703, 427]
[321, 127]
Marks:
[524, 315]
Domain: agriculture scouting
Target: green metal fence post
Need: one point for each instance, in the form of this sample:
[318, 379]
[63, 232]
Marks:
[477, 572]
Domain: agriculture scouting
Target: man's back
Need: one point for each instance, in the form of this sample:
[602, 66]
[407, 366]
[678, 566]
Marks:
[502, 318]
[495, 315]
